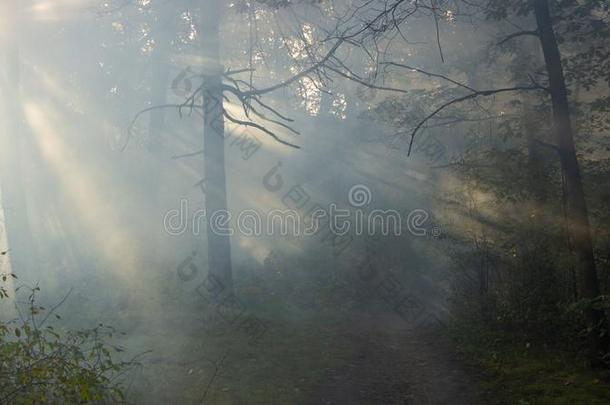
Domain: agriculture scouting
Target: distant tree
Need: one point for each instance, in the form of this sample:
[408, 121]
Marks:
[567, 23]
[220, 85]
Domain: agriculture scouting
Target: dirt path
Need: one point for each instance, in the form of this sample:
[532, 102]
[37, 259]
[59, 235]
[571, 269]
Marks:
[363, 359]
[395, 365]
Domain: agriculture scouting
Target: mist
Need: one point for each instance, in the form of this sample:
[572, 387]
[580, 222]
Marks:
[304, 202]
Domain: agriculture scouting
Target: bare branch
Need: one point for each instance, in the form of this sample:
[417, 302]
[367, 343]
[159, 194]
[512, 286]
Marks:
[364, 83]
[139, 114]
[260, 128]
[518, 34]
[481, 93]
[297, 76]
[60, 303]
[438, 35]
[200, 152]
[428, 74]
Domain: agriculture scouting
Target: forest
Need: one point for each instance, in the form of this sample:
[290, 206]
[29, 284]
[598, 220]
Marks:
[318, 202]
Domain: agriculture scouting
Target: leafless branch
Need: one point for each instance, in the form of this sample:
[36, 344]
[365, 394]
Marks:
[438, 35]
[299, 75]
[260, 128]
[428, 74]
[217, 367]
[185, 155]
[517, 34]
[473, 95]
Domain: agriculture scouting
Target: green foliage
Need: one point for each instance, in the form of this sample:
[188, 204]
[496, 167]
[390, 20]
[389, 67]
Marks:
[40, 363]
[519, 371]
[519, 251]
[515, 271]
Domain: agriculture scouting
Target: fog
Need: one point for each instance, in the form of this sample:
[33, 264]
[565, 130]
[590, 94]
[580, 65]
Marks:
[330, 245]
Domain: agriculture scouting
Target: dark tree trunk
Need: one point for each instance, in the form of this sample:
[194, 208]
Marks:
[578, 220]
[219, 243]
[535, 159]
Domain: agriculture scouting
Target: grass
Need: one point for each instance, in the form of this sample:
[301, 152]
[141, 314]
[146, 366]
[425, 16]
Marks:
[290, 363]
[523, 373]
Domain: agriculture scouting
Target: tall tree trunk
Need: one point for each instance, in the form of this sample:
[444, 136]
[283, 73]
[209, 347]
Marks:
[160, 80]
[535, 159]
[219, 243]
[165, 31]
[578, 220]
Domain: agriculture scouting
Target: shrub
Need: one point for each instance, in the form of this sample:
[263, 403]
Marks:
[42, 364]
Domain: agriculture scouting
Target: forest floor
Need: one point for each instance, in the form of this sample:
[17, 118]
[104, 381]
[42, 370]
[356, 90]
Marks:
[525, 372]
[396, 365]
[329, 345]
[335, 353]
[363, 358]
